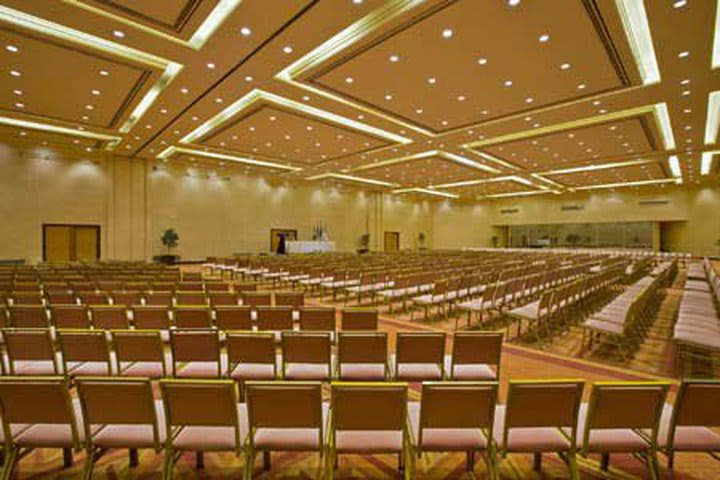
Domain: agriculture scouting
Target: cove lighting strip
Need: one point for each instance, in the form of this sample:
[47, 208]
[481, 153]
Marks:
[260, 95]
[352, 178]
[45, 127]
[595, 167]
[208, 27]
[637, 28]
[426, 191]
[674, 164]
[468, 183]
[706, 161]
[170, 151]
[428, 154]
[518, 194]
[712, 123]
[716, 40]
[628, 184]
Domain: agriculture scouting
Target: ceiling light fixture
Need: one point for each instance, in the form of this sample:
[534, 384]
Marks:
[245, 31]
[287, 49]
[95, 92]
[508, 83]
[432, 80]
[425, 191]
[712, 122]
[706, 162]
[637, 30]
[349, 80]
[118, 34]
[352, 178]
[684, 54]
[674, 164]
[394, 58]
[211, 66]
[447, 33]
[184, 91]
[11, 48]
[680, 3]
[17, 92]
[565, 66]
[104, 73]
[15, 73]
[513, 3]
[543, 38]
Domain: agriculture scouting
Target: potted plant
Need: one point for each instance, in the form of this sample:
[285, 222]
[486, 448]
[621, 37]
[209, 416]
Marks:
[421, 241]
[170, 239]
[364, 243]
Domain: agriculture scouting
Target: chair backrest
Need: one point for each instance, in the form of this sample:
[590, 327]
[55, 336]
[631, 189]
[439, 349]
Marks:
[626, 405]
[256, 299]
[458, 405]
[60, 298]
[420, 347]
[217, 287]
[190, 298]
[359, 319]
[362, 347]
[245, 287]
[274, 318]
[696, 403]
[195, 345]
[248, 347]
[284, 405]
[93, 298]
[27, 298]
[291, 299]
[69, 316]
[351, 402]
[109, 317]
[217, 398]
[317, 318]
[126, 299]
[28, 316]
[159, 298]
[195, 285]
[36, 400]
[117, 401]
[28, 345]
[137, 346]
[235, 317]
[83, 346]
[477, 347]
[543, 403]
[223, 298]
[151, 317]
[192, 317]
[306, 347]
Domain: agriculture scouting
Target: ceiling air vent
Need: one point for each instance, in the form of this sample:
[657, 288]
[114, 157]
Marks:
[644, 203]
[567, 208]
[508, 211]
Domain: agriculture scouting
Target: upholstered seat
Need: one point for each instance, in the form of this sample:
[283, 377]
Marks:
[307, 371]
[419, 371]
[205, 438]
[362, 441]
[253, 371]
[303, 439]
[362, 371]
[445, 439]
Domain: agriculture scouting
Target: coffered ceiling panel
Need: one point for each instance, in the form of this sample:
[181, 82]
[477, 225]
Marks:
[283, 134]
[468, 61]
[581, 146]
[62, 82]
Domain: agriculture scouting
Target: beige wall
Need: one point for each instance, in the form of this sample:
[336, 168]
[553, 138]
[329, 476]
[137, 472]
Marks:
[134, 203]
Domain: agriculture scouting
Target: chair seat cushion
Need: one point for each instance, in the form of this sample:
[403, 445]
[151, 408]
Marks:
[307, 371]
[473, 372]
[419, 371]
[89, 369]
[445, 439]
[197, 370]
[616, 440]
[360, 441]
[132, 436]
[287, 439]
[695, 439]
[362, 371]
[44, 435]
[197, 438]
[39, 367]
[143, 369]
[253, 371]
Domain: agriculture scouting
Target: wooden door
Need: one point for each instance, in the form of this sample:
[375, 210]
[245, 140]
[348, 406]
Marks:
[57, 243]
[87, 243]
[275, 233]
[392, 242]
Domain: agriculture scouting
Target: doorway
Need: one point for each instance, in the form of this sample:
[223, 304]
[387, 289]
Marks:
[275, 234]
[69, 243]
[392, 242]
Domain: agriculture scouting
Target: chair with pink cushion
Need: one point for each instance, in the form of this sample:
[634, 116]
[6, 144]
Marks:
[419, 356]
[251, 356]
[84, 353]
[200, 416]
[368, 418]
[359, 319]
[690, 424]
[475, 356]
[139, 353]
[283, 416]
[624, 417]
[119, 413]
[539, 417]
[456, 417]
[362, 356]
[195, 353]
[306, 355]
[38, 412]
[31, 352]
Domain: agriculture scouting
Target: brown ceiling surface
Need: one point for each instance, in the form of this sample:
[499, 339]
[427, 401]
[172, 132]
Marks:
[522, 87]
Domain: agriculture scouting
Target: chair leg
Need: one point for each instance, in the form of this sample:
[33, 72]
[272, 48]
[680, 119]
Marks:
[133, 454]
[199, 460]
[670, 460]
[169, 464]
[573, 466]
[470, 460]
[537, 461]
[67, 457]
[266, 459]
[604, 462]
[9, 464]
[653, 465]
[89, 465]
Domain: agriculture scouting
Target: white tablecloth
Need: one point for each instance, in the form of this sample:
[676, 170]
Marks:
[310, 246]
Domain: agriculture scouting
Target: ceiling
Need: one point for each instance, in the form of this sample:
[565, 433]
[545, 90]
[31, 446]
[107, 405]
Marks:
[430, 98]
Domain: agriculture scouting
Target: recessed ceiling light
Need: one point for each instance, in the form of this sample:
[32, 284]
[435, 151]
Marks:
[482, 61]
[432, 80]
[543, 38]
[104, 73]
[15, 73]
[218, 100]
[680, 3]
[447, 33]
[565, 66]
[687, 110]
[17, 92]
[418, 110]
[688, 127]
[12, 48]
[684, 54]
[245, 31]
[394, 58]
[602, 110]
[194, 118]
[357, 2]
[118, 34]
[388, 97]
[686, 93]
[184, 91]
[287, 49]
[148, 126]
[508, 83]
[95, 92]
[581, 86]
[349, 80]
[685, 82]
[20, 105]
[89, 107]
[163, 110]
[461, 98]
[529, 100]
[22, 134]
[513, 3]
[211, 66]
[248, 78]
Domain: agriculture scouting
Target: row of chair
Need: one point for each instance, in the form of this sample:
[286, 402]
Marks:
[538, 417]
[222, 317]
[244, 355]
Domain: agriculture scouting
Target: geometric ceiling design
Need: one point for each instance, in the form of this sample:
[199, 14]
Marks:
[440, 99]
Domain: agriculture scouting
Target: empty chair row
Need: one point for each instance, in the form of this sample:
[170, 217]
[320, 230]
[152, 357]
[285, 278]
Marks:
[196, 353]
[538, 417]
